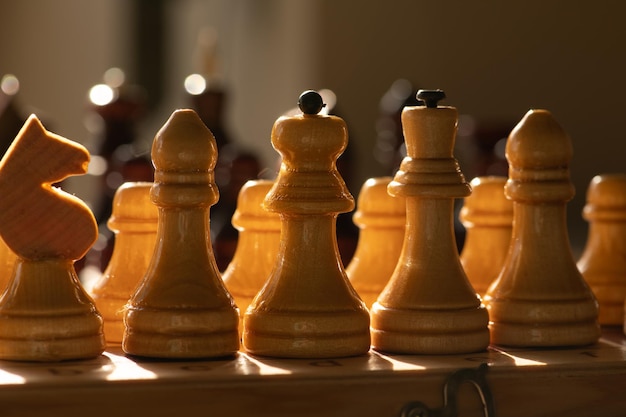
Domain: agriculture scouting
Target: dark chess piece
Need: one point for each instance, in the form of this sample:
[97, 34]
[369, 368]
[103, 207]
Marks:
[208, 96]
[114, 109]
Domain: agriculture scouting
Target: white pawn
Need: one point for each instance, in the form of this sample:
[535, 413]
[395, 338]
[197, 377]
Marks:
[134, 222]
[540, 298]
[603, 262]
[181, 308]
[381, 220]
[257, 245]
[488, 219]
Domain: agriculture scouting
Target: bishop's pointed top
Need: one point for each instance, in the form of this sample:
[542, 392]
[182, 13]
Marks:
[184, 143]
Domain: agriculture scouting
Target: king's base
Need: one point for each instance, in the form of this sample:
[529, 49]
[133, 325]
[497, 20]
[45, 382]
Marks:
[543, 323]
[429, 332]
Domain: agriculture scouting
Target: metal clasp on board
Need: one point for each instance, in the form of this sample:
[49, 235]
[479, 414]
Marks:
[450, 389]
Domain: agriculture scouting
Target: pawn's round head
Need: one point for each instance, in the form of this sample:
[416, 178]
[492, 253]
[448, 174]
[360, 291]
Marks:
[607, 191]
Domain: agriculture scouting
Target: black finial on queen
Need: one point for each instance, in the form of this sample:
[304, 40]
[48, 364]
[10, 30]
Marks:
[310, 102]
[431, 97]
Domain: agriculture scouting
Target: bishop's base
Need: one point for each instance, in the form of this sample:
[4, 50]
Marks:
[543, 323]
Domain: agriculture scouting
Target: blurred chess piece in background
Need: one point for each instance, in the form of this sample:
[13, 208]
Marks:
[114, 109]
[11, 116]
[390, 149]
[208, 95]
[603, 261]
[488, 218]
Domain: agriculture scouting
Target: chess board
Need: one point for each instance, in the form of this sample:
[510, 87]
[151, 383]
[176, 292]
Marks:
[583, 381]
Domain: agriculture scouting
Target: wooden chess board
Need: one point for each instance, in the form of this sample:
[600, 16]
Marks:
[586, 381]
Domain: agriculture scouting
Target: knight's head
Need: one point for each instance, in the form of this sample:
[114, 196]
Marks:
[43, 155]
